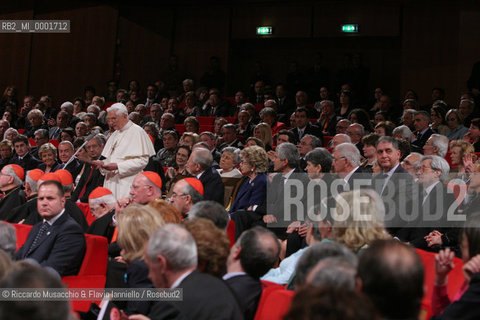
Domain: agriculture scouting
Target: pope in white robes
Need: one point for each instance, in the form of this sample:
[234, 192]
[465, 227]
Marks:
[127, 152]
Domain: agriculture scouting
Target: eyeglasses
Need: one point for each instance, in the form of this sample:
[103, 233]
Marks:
[174, 195]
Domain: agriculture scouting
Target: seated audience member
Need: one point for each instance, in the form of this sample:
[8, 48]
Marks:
[230, 139]
[166, 155]
[191, 109]
[421, 122]
[169, 213]
[342, 126]
[209, 138]
[303, 125]
[146, 186]
[384, 128]
[253, 190]
[331, 304]
[411, 163]
[188, 139]
[179, 170]
[6, 153]
[191, 124]
[356, 131]
[23, 158]
[285, 136]
[81, 129]
[358, 234]
[210, 210]
[381, 116]
[252, 141]
[11, 180]
[269, 116]
[455, 125]
[64, 248]
[472, 204]
[41, 138]
[61, 123]
[68, 134]
[185, 193]
[369, 151]
[218, 126]
[213, 245]
[473, 134]
[314, 255]
[328, 119]
[215, 106]
[4, 125]
[89, 178]
[151, 128]
[35, 117]
[317, 228]
[467, 110]
[27, 213]
[336, 273]
[462, 157]
[244, 126]
[436, 202]
[402, 133]
[48, 154]
[228, 163]
[463, 305]
[437, 114]
[307, 144]
[437, 145]
[360, 116]
[407, 118]
[250, 108]
[102, 207]
[167, 123]
[200, 165]
[262, 132]
[346, 164]
[135, 117]
[10, 134]
[391, 274]
[135, 226]
[171, 256]
[29, 275]
[65, 152]
[338, 139]
[8, 240]
[254, 253]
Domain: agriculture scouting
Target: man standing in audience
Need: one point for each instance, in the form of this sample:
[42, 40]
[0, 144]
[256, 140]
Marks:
[123, 160]
[200, 165]
[185, 194]
[91, 177]
[391, 274]
[171, 257]
[58, 241]
[254, 253]
[23, 158]
[11, 180]
[421, 122]
[303, 125]
[436, 145]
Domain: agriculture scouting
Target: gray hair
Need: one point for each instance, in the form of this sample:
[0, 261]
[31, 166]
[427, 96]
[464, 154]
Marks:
[210, 210]
[16, 179]
[425, 115]
[330, 102]
[404, 131]
[187, 81]
[290, 152]
[233, 151]
[43, 132]
[101, 139]
[203, 157]
[8, 238]
[345, 137]
[168, 114]
[350, 152]
[176, 244]
[269, 112]
[320, 156]
[359, 128]
[67, 105]
[95, 107]
[118, 108]
[108, 199]
[316, 253]
[67, 143]
[334, 272]
[315, 143]
[208, 133]
[32, 183]
[8, 131]
[441, 142]
[439, 163]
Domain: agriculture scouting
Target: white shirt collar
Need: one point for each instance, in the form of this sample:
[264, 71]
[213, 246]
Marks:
[347, 177]
[288, 174]
[180, 279]
[199, 175]
[233, 274]
[430, 188]
[52, 221]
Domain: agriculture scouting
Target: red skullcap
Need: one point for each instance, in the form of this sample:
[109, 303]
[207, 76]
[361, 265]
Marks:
[99, 192]
[154, 178]
[195, 184]
[18, 171]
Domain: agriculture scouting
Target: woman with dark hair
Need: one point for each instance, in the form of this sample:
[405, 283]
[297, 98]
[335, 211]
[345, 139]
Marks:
[89, 93]
[182, 153]
[151, 128]
[191, 108]
[473, 134]
[10, 116]
[346, 100]
[78, 106]
[464, 305]
[67, 134]
[410, 94]
[360, 116]
[9, 98]
[437, 114]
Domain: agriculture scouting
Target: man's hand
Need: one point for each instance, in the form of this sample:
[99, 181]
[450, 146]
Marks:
[269, 218]
[138, 317]
[443, 265]
[110, 166]
[97, 164]
[433, 238]
[471, 267]
[122, 203]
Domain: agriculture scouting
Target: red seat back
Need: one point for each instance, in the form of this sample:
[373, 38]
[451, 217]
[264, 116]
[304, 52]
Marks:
[326, 140]
[86, 212]
[96, 256]
[274, 303]
[32, 142]
[231, 232]
[54, 142]
[206, 120]
[21, 231]
[180, 128]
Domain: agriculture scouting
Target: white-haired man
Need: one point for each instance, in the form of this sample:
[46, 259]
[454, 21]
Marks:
[346, 164]
[126, 152]
[437, 145]
[102, 205]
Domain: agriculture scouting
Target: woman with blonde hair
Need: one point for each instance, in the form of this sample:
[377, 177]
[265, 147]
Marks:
[189, 139]
[169, 213]
[359, 219]
[462, 157]
[135, 225]
[263, 132]
[48, 154]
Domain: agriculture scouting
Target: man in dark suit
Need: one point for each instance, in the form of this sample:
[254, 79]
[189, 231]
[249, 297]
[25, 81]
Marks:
[230, 137]
[185, 193]
[209, 138]
[216, 107]
[65, 152]
[356, 131]
[395, 185]
[23, 158]
[303, 125]
[421, 122]
[307, 144]
[171, 256]
[436, 201]
[346, 163]
[254, 253]
[11, 178]
[57, 242]
[200, 165]
[102, 206]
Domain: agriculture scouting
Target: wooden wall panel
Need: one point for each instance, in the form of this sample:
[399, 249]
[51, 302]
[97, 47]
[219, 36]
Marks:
[430, 49]
[15, 55]
[201, 32]
[63, 64]
[144, 48]
[468, 46]
[287, 21]
[374, 19]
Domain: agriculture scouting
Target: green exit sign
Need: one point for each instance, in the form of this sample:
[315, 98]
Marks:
[350, 28]
[264, 31]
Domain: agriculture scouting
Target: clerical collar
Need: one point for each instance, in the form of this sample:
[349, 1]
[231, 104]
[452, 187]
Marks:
[126, 126]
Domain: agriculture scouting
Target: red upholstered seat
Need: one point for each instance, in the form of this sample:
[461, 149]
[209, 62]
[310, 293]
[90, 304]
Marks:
[22, 231]
[205, 127]
[32, 142]
[231, 232]
[206, 120]
[326, 140]
[274, 303]
[230, 119]
[86, 211]
[180, 128]
[54, 142]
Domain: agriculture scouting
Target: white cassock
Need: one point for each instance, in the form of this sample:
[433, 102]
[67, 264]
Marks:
[130, 148]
